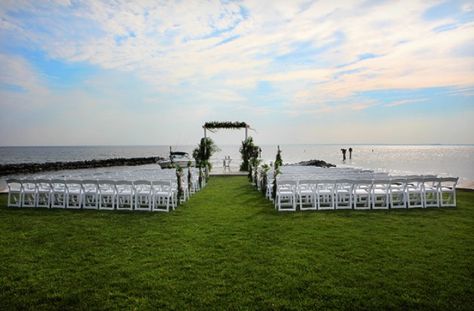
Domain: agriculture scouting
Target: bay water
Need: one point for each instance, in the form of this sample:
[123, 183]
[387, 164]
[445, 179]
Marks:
[443, 160]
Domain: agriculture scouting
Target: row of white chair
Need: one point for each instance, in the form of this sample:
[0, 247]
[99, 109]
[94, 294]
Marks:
[325, 174]
[140, 195]
[363, 194]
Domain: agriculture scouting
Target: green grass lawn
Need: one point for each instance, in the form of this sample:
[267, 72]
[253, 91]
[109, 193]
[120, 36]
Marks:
[228, 249]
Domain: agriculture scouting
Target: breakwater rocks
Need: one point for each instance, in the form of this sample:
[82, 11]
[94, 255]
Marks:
[318, 163]
[27, 168]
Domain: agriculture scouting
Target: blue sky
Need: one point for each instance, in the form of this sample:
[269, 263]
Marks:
[148, 72]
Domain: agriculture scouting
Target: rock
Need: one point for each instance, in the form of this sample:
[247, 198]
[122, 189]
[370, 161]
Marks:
[318, 163]
[27, 168]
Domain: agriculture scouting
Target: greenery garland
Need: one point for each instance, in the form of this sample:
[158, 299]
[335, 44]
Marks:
[225, 125]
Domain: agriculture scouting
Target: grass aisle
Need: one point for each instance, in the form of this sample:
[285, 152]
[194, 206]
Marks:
[227, 249]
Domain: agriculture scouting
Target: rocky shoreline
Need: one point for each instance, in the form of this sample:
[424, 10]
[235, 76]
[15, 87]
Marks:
[318, 163]
[28, 168]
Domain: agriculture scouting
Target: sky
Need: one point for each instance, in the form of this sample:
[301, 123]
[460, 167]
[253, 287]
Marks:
[304, 72]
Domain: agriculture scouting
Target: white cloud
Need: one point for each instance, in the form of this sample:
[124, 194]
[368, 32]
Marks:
[168, 43]
[18, 74]
[318, 56]
[405, 102]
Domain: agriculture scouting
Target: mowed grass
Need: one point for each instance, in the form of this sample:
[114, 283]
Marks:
[228, 249]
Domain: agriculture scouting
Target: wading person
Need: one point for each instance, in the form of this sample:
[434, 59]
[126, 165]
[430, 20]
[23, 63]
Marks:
[343, 154]
[350, 153]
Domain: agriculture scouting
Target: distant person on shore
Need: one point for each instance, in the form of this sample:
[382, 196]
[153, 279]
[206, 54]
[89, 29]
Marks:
[350, 153]
[227, 163]
[343, 154]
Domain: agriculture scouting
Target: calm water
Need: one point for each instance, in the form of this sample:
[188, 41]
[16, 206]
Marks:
[454, 160]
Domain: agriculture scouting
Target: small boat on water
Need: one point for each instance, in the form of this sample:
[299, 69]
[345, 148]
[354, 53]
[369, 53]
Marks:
[177, 158]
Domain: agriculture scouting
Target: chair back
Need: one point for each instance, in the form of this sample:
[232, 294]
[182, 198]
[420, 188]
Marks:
[43, 185]
[431, 181]
[124, 186]
[73, 184]
[286, 185]
[161, 185]
[142, 185]
[28, 185]
[365, 184]
[106, 185]
[58, 184]
[448, 182]
[325, 184]
[14, 185]
[306, 184]
[89, 185]
[343, 184]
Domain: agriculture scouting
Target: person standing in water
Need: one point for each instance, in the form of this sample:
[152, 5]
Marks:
[350, 153]
[343, 154]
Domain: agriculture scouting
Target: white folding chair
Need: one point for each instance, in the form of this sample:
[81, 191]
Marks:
[90, 194]
[58, 193]
[362, 194]
[162, 193]
[124, 195]
[15, 192]
[107, 194]
[381, 194]
[286, 195]
[269, 190]
[343, 191]
[174, 192]
[28, 197]
[414, 191]
[325, 194]
[74, 194]
[397, 193]
[43, 193]
[185, 188]
[143, 195]
[195, 182]
[306, 195]
[447, 191]
[431, 191]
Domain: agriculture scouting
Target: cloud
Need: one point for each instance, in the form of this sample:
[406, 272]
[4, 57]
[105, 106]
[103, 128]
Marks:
[18, 73]
[167, 43]
[405, 102]
[319, 57]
